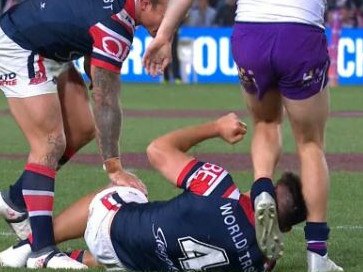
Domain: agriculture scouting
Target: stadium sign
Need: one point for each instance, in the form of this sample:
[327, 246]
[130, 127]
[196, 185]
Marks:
[350, 57]
[206, 57]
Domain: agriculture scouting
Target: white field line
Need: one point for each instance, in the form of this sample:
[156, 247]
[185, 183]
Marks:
[344, 228]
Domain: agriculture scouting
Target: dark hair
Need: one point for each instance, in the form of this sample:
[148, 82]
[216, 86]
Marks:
[296, 212]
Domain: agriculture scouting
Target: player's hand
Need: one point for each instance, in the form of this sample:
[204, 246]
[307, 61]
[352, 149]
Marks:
[157, 56]
[231, 128]
[124, 178]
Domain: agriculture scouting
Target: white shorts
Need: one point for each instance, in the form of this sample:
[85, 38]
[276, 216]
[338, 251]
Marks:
[24, 73]
[101, 212]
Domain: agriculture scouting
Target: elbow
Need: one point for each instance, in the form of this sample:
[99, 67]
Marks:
[155, 155]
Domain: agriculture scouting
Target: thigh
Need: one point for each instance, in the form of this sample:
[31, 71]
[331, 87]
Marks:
[267, 109]
[76, 111]
[308, 117]
[40, 119]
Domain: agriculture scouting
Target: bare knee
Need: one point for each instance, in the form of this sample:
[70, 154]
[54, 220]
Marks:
[310, 136]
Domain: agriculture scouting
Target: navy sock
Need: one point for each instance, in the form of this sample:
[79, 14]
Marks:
[262, 185]
[21, 243]
[16, 195]
[76, 254]
[68, 154]
[317, 235]
[38, 192]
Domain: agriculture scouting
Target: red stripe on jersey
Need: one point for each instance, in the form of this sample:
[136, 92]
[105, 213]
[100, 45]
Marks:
[246, 205]
[105, 65]
[185, 171]
[41, 66]
[130, 8]
[206, 179]
[38, 203]
[128, 28]
[41, 169]
[229, 191]
[198, 186]
[111, 46]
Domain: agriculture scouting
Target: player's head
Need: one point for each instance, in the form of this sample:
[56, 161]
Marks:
[290, 201]
[150, 13]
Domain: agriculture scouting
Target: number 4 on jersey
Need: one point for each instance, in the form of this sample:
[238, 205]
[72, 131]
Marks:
[201, 256]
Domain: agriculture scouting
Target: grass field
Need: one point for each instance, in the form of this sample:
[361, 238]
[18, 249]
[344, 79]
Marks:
[150, 110]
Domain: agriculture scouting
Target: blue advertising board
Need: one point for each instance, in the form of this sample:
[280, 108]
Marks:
[206, 56]
[350, 56]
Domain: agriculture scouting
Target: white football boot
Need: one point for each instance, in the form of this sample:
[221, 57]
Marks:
[15, 256]
[17, 220]
[54, 260]
[317, 263]
[268, 234]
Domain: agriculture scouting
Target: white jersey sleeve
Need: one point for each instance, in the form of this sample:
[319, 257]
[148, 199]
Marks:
[295, 11]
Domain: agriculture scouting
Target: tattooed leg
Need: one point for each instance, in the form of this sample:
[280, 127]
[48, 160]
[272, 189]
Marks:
[40, 119]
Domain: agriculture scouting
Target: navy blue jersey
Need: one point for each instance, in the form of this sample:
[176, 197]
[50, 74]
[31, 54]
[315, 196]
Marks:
[68, 29]
[208, 226]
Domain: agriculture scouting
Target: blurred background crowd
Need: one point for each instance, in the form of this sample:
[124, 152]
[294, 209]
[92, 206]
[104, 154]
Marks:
[207, 13]
[348, 12]
[220, 13]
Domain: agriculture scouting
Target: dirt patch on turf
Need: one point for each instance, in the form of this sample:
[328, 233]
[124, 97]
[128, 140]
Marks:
[232, 162]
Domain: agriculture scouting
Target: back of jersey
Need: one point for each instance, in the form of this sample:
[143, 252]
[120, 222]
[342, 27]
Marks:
[208, 226]
[57, 29]
[188, 233]
[297, 11]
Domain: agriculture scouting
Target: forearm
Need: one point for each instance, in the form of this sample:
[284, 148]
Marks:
[174, 15]
[107, 112]
[168, 153]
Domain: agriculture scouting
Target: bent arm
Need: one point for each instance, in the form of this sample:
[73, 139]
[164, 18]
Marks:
[168, 154]
[108, 118]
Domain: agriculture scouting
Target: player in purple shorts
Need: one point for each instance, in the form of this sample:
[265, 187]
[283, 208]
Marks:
[209, 226]
[48, 98]
[281, 53]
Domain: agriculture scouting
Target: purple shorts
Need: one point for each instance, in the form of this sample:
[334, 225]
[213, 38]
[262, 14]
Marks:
[290, 57]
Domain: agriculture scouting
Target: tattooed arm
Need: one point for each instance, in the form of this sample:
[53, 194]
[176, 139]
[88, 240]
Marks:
[108, 119]
[107, 111]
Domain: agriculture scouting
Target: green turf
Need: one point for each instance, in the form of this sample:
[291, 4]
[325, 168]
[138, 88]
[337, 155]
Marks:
[343, 135]
[138, 132]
